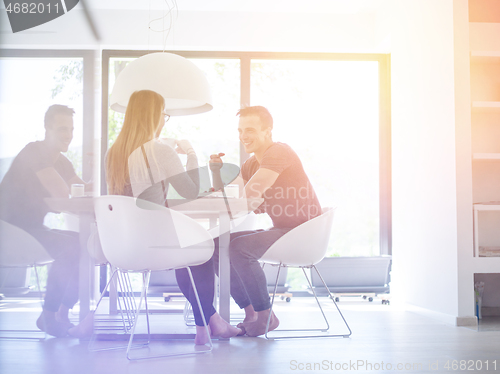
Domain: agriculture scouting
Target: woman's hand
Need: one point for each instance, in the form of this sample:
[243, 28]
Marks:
[215, 164]
[184, 147]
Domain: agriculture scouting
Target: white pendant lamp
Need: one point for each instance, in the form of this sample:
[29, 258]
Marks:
[181, 83]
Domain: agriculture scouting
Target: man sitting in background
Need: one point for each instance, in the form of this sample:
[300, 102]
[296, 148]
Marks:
[37, 172]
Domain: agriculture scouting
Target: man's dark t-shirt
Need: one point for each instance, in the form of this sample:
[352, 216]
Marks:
[291, 200]
[22, 193]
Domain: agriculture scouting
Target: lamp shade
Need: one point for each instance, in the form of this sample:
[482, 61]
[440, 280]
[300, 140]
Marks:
[181, 83]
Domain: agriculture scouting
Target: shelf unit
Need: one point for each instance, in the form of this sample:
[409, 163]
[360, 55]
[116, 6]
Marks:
[482, 263]
[485, 105]
[485, 56]
[478, 208]
[486, 156]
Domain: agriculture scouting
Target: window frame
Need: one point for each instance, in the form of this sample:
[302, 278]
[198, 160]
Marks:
[88, 118]
[384, 63]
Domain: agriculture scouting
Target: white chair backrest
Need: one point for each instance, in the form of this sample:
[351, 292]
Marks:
[18, 248]
[304, 245]
[137, 235]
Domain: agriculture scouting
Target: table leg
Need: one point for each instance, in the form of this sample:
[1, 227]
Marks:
[224, 266]
[113, 295]
[212, 222]
[86, 270]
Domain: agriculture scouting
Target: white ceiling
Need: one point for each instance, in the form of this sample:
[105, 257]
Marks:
[265, 25]
[273, 6]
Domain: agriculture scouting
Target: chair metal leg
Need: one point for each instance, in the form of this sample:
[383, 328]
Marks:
[91, 348]
[92, 339]
[136, 319]
[145, 278]
[317, 300]
[128, 300]
[124, 310]
[143, 295]
[333, 299]
[116, 274]
[131, 300]
[28, 331]
[304, 330]
[272, 300]
[188, 314]
[38, 284]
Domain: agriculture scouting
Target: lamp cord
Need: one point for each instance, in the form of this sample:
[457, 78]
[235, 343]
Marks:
[171, 7]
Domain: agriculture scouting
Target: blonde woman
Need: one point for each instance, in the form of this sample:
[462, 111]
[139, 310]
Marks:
[136, 160]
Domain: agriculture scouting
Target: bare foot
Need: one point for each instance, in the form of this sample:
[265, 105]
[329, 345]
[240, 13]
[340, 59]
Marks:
[242, 328]
[258, 327]
[250, 314]
[221, 328]
[201, 335]
[61, 318]
[274, 323]
[85, 329]
[47, 323]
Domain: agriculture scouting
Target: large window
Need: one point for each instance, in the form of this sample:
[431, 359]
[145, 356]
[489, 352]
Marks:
[29, 87]
[33, 80]
[327, 111]
[208, 132]
[330, 108]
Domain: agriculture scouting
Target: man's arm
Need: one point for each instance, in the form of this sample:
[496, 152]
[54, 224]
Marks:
[260, 182]
[53, 182]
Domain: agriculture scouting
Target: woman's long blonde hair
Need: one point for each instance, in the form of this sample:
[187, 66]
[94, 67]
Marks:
[143, 115]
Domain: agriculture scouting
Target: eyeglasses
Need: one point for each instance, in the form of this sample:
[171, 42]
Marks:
[167, 116]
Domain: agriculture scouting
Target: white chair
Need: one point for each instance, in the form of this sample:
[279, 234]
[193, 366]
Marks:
[138, 236]
[303, 247]
[18, 249]
[123, 292]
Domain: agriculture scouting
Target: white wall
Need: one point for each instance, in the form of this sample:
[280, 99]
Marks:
[465, 278]
[423, 138]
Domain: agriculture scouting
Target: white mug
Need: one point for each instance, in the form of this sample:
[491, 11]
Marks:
[77, 190]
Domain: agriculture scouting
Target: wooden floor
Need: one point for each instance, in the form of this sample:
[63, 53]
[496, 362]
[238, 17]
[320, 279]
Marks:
[384, 336]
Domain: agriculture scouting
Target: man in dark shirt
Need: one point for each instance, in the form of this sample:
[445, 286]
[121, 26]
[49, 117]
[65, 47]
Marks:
[274, 173]
[37, 172]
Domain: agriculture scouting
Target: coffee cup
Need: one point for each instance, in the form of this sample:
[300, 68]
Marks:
[232, 190]
[77, 190]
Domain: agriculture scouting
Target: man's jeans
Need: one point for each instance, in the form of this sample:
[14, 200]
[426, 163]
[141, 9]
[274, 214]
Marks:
[248, 281]
[62, 282]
